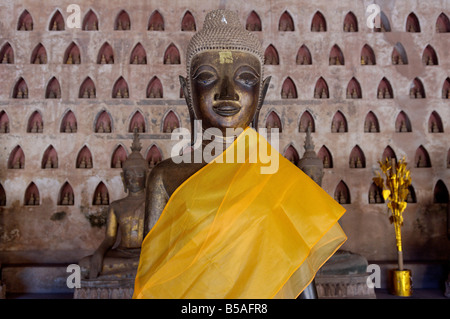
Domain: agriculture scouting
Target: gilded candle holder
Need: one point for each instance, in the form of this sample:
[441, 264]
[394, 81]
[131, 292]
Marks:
[400, 282]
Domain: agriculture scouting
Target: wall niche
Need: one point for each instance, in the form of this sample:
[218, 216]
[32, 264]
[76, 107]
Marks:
[388, 154]
[417, 90]
[435, 123]
[306, 122]
[2, 196]
[137, 123]
[20, 90]
[446, 89]
[66, 196]
[16, 158]
[101, 195]
[271, 56]
[87, 89]
[429, 56]
[118, 157]
[253, 22]
[57, 22]
[90, 21]
[153, 156]
[53, 90]
[32, 197]
[156, 22]
[402, 123]
[398, 55]
[384, 90]
[291, 155]
[7, 54]
[412, 23]
[170, 122]
[342, 193]
[318, 23]
[325, 155]
[72, 54]
[68, 123]
[288, 89]
[350, 23]
[155, 89]
[138, 55]
[371, 124]
[375, 194]
[321, 89]
[367, 55]
[25, 22]
[273, 121]
[422, 159]
[39, 55]
[103, 123]
[50, 158]
[122, 21]
[339, 123]
[303, 56]
[188, 22]
[172, 55]
[120, 89]
[35, 123]
[4, 122]
[357, 158]
[442, 23]
[286, 22]
[84, 158]
[440, 193]
[105, 54]
[353, 89]
[336, 56]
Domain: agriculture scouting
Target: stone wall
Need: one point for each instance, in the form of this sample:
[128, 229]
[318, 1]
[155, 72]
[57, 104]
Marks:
[57, 230]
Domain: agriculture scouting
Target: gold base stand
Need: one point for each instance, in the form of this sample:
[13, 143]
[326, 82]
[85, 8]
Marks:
[400, 282]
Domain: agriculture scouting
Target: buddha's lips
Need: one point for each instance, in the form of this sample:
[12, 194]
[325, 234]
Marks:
[226, 109]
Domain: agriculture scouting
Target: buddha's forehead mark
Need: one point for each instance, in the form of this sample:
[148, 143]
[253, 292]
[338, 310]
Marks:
[225, 57]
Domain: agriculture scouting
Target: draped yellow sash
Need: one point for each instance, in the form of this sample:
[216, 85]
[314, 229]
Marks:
[231, 232]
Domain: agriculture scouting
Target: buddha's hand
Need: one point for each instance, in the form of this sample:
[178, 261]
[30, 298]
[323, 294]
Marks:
[96, 265]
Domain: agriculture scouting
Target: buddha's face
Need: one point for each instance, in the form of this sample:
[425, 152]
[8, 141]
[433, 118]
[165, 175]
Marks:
[225, 88]
[134, 179]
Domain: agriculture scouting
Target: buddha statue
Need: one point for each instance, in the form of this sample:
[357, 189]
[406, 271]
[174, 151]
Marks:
[225, 89]
[116, 259]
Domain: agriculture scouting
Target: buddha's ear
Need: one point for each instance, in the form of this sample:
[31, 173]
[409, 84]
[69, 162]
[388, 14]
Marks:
[264, 88]
[192, 117]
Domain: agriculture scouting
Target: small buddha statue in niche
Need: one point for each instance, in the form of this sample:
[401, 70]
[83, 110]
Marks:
[125, 221]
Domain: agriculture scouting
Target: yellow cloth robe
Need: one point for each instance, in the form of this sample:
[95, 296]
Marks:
[231, 232]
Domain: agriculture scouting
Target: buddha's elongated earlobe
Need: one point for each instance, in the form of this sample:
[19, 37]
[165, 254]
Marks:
[192, 117]
[264, 88]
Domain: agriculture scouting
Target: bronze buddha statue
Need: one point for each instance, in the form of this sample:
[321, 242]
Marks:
[117, 257]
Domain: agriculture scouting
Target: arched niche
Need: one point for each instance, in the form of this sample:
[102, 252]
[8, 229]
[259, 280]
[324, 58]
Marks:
[35, 123]
[367, 55]
[318, 23]
[336, 56]
[39, 55]
[375, 195]
[4, 122]
[440, 193]
[16, 158]
[291, 154]
[384, 90]
[442, 23]
[354, 89]
[398, 55]
[422, 158]
[90, 21]
[448, 158]
[342, 193]
[101, 195]
[7, 54]
[138, 55]
[105, 54]
[118, 157]
[435, 123]
[156, 22]
[87, 89]
[411, 197]
[123, 22]
[446, 89]
[137, 123]
[57, 22]
[20, 90]
[429, 56]
[321, 89]
[188, 22]
[288, 89]
[412, 23]
[103, 123]
[84, 158]
[271, 56]
[417, 91]
[371, 124]
[72, 54]
[155, 89]
[50, 158]
[325, 155]
[69, 123]
[66, 196]
[339, 123]
[388, 154]
[32, 197]
[253, 22]
[306, 122]
[53, 90]
[273, 121]
[357, 159]
[286, 23]
[154, 156]
[170, 122]
[172, 55]
[25, 22]
[303, 56]
[350, 23]
[2, 196]
[120, 89]
[383, 25]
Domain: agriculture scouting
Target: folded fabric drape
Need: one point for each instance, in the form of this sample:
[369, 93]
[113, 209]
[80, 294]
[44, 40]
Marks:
[230, 231]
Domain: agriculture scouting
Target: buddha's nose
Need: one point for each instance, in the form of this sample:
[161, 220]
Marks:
[227, 92]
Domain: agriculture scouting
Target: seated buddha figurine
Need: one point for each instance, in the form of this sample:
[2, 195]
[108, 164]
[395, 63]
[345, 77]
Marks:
[117, 256]
[228, 229]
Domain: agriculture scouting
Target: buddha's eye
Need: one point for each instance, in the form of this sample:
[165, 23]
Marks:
[205, 78]
[247, 78]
